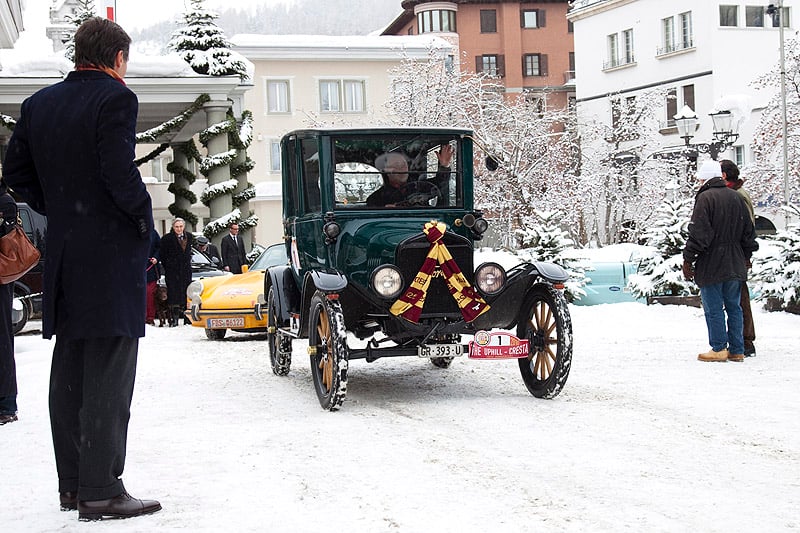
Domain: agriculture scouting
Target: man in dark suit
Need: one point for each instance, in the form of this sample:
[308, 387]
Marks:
[233, 254]
[176, 256]
[71, 157]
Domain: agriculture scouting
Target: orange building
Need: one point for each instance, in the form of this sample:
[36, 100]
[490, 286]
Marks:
[527, 43]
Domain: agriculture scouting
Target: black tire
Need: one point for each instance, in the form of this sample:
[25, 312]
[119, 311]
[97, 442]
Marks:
[26, 311]
[546, 323]
[441, 362]
[216, 334]
[280, 345]
[327, 347]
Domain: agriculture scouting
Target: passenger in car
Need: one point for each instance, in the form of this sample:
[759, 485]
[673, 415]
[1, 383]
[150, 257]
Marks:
[397, 190]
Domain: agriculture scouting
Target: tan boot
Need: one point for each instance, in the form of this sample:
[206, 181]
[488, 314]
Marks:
[736, 357]
[714, 357]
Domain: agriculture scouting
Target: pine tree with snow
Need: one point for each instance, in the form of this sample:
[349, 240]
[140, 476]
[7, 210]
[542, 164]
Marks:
[543, 239]
[202, 44]
[85, 11]
[776, 275]
[661, 274]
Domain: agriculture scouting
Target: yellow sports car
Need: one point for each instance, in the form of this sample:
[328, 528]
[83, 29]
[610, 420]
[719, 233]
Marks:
[234, 302]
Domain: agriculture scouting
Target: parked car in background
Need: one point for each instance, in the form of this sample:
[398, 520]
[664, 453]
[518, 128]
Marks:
[28, 289]
[236, 301]
[609, 269]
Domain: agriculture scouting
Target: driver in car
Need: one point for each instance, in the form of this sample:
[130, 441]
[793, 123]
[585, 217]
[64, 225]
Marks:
[396, 190]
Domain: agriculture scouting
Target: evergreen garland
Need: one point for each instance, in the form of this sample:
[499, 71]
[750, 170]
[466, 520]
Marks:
[181, 172]
[150, 136]
[219, 189]
[248, 194]
[248, 223]
[185, 214]
[183, 193]
[152, 155]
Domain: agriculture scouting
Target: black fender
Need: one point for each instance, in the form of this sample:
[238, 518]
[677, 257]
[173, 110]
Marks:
[327, 281]
[551, 271]
[287, 295]
[509, 302]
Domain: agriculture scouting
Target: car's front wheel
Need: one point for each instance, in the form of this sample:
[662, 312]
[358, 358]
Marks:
[216, 334]
[24, 307]
[546, 323]
[280, 345]
[327, 347]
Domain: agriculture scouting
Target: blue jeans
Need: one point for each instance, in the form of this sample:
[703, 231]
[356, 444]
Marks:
[718, 300]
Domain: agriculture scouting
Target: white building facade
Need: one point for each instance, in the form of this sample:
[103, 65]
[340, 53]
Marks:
[706, 54]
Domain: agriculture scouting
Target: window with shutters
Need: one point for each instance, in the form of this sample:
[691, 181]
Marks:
[492, 65]
[534, 65]
[532, 18]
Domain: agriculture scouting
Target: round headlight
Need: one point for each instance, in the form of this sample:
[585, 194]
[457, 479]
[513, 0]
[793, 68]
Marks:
[490, 278]
[194, 290]
[480, 226]
[331, 230]
[387, 281]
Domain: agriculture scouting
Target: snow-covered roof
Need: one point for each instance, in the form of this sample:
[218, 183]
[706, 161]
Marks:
[321, 47]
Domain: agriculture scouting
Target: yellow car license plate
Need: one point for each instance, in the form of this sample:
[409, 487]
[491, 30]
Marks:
[234, 322]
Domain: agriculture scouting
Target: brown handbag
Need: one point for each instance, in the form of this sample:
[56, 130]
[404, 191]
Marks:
[17, 255]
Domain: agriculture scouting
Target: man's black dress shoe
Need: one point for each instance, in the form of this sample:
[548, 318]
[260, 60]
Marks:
[5, 419]
[69, 500]
[122, 506]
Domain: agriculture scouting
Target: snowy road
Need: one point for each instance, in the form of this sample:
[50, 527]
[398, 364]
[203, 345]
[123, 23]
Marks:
[643, 438]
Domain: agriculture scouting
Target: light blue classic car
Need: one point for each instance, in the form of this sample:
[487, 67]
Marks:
[609, 270]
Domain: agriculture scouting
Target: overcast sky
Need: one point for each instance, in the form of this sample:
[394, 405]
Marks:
[132, 14]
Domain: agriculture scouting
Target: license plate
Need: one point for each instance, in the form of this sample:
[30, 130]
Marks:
[500, 345]
[440, 350]
[234, 322]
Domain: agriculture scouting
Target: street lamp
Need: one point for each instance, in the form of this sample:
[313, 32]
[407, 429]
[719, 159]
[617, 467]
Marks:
[773, 9]
[724, 136]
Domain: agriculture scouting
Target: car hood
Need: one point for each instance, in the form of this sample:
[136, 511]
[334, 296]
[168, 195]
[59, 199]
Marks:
[237, 290]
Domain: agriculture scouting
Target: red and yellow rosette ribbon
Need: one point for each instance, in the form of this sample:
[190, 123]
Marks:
[411, 302]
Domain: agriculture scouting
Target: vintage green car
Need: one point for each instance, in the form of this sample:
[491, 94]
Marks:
[379, 227]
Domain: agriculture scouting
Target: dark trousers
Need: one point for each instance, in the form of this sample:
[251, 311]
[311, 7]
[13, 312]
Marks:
[747, 314]
[8, 368]
[91, 386]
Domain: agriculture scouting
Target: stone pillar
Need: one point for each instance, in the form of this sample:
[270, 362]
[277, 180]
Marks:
[216, 112]
[244, 207]
[180, 182]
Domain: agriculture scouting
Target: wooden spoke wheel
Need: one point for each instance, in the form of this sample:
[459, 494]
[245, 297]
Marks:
[327, 348]
[546, 323]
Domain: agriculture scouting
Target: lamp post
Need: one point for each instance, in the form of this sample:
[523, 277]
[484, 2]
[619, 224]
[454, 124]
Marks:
[723, 134]
[772, 9]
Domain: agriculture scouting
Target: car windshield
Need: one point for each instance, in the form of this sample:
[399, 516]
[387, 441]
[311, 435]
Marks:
[398, 170]
[200, 259]
[274, 255]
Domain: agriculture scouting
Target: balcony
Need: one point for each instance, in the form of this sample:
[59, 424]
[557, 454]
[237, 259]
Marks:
[619, 62]
[672, 48]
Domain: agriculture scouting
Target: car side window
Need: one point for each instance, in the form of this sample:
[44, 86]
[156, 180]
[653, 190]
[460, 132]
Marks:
[311, 175]
[291, 199]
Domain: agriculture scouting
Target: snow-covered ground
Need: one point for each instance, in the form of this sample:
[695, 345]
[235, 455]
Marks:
[643, 437]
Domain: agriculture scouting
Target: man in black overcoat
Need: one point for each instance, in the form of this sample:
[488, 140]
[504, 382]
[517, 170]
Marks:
[71, 157]
[176, 257]
[233, 254]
